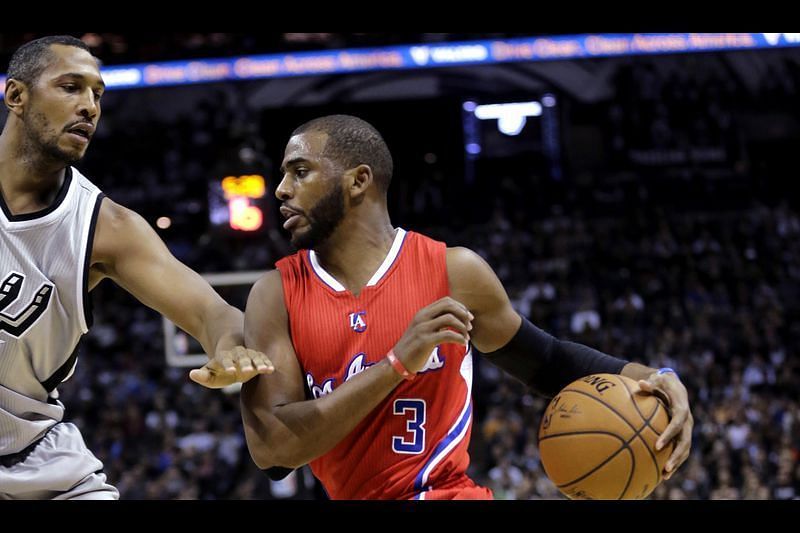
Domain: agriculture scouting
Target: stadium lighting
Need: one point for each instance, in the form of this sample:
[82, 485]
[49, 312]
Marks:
[510, 117]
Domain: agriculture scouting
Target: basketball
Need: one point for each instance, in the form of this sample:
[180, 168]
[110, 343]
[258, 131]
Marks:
[597, 439]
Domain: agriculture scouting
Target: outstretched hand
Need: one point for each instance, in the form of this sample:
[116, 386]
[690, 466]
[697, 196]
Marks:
[231, 366]
[669, 387]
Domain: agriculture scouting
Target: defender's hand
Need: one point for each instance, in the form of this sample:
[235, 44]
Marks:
[231, 366]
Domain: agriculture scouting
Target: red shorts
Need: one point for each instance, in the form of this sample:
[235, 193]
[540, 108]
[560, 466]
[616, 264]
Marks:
[472, 492]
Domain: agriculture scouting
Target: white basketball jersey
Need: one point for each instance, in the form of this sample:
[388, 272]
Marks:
[44, 306]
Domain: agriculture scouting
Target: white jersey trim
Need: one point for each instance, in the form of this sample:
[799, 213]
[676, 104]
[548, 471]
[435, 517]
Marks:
[329, 280]
[390, 257]
[387, 263]
[457, 431]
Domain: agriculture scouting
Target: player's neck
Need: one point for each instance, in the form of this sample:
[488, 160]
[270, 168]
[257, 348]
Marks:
[22, 171]
[356, 250]
[27, 188]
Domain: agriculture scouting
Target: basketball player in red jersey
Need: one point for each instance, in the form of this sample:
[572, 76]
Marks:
[370, 329]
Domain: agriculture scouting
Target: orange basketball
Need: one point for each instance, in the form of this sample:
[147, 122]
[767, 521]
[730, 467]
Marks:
[597, 439]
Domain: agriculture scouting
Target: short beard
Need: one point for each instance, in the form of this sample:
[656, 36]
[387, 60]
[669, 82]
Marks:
[323, 219]
[41, 143]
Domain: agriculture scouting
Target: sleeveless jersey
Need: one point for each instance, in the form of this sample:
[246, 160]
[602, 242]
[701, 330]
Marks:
[44, 306]
[416, 439]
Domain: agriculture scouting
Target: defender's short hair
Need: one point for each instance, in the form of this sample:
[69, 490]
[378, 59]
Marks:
[33, 57]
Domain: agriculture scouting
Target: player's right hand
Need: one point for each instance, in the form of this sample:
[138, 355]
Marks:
[443, 321]
[232, 366]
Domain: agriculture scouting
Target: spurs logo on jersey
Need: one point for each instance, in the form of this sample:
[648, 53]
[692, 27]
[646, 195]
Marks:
[10, 288]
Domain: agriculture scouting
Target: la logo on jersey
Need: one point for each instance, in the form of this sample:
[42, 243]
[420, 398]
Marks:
[357, 322]
[17, 325]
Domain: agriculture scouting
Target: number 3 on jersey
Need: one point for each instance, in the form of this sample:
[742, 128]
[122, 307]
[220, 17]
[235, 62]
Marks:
[413, 442]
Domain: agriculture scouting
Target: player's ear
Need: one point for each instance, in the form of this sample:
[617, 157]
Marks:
[16, 96]
[359, 180]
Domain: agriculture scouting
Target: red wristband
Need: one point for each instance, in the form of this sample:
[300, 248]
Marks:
[398, 366]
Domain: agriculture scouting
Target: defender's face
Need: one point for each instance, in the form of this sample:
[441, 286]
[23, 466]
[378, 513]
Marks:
[64, 105]
[311, 191]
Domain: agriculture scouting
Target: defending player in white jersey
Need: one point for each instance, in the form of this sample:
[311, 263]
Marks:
[59, 237]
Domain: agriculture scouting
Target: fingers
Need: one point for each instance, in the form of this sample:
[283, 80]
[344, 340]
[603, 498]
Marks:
[649, 388]
[440, 323]
[672, 430]
[679, 429]
[444, 306]
[262, 363]
[443, 315]
[231, 366]
[448, 335]
[208, 378]
[200, 375]
[676, 397]
[681, 452]
[245, 361]
[225, 359]
[443, 321]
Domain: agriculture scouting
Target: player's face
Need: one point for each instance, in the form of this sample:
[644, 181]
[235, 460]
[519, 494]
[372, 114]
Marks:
[311, 191]
[64, 105]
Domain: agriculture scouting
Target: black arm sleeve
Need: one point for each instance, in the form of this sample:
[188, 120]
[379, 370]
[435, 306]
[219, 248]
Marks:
[547, 364]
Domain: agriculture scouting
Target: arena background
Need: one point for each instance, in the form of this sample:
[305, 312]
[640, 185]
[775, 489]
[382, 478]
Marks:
[650, 210]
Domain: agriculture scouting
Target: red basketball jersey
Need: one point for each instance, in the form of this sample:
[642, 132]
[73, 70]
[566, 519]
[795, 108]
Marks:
[415, 440]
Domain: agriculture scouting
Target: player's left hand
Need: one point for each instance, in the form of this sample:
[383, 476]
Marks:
[668, 386]
[227, 367]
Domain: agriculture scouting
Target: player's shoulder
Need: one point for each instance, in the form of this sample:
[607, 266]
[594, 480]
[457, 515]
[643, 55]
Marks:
[117, 217]
[270, 285]
[268, 281]
[467, 270]
[463, 258]
[267, 294]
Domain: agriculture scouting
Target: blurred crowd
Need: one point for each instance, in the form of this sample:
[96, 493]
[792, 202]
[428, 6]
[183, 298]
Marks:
[712, 295]
[660, 261]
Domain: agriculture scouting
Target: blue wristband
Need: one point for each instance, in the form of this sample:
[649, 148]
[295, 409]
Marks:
[667, 369]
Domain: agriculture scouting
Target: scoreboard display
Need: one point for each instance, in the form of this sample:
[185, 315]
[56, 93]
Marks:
[238, 203]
